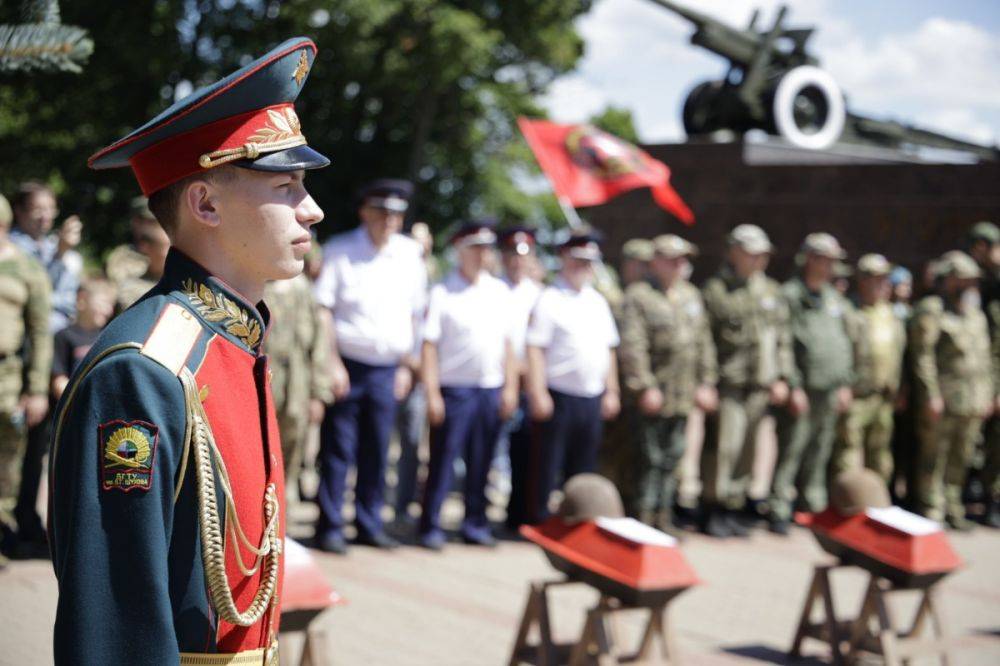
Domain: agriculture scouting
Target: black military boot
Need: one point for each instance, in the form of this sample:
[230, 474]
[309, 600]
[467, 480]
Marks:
[992, 517]
[716, 523]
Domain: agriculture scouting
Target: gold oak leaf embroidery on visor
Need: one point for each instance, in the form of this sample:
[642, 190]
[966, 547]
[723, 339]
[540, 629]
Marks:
[281, 131]
[215, 307]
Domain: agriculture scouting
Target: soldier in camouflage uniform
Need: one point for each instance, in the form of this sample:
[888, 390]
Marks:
[749, 322]
[954, 381]
[820, 382]
[879, 340]
[24, 382]
[668, 365]
[298, 348]
[617, 455]
[135, 269]
[126, 261]
[984, 247]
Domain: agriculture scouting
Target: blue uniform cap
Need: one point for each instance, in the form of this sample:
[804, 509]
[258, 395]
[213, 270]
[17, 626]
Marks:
[519, 240]
[391, 194]
[247, 119]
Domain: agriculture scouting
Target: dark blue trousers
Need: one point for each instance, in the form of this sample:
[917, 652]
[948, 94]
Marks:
[356, 431]
[470, 428]
[519, 435]
[564, 446]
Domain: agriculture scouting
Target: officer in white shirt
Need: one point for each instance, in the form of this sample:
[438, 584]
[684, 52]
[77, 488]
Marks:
[471, 381]
[517, 248]
[372, 285]
[572, 372]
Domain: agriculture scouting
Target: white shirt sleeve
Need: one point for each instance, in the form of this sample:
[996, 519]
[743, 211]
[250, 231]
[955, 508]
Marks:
[431, 327]
[325, 289]
[613, 339]
[419, 287]
[541, 325]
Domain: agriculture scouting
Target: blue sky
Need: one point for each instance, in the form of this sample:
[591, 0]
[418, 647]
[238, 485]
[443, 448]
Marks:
[932, 64]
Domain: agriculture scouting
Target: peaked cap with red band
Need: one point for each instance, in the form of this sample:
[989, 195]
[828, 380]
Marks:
[246, 119]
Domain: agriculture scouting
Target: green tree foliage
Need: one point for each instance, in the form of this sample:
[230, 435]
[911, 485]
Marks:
[617, 121]
[415, 88]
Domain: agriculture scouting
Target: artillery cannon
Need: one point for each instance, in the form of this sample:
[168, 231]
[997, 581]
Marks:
[774, 84]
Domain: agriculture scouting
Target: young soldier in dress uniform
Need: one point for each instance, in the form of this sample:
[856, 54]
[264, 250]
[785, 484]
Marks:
[517, 252]
[373, 287]
[24, 381]
[668, 363]
[166, 514]
[820, 382]
[470, 375]
[952, 370]
[749, 321]
[572, 372]
[879, 340]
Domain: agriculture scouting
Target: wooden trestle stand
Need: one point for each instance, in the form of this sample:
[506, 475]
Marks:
[897, 561]
[630, 575]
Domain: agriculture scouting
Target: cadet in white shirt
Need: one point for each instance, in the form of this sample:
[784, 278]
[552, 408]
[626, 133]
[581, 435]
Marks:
[471, 382]
[517, 247]
[572, 372]
[373, 286]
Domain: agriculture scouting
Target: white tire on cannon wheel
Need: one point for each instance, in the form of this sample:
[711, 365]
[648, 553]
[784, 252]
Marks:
[791, 84]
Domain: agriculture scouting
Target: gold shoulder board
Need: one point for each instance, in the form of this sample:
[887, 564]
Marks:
[172, 338]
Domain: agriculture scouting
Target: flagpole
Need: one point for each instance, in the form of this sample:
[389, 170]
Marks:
[572, 218]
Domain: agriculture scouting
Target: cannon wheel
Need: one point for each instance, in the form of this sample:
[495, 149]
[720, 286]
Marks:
[698, 113]
[808, 108]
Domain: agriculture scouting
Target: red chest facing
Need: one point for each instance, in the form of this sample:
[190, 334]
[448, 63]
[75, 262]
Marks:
[237, 399]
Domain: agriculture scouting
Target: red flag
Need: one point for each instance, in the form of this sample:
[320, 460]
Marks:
[588, 166]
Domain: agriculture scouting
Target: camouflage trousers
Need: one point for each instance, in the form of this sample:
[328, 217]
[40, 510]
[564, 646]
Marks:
[294, 429]
[865, 437]
[618, 456]
[946, 446]
[804, 446]
[13, 438]
[729, 447]
[991, 469]
[661, 446]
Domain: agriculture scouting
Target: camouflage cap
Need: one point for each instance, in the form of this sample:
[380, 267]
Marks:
[6, 214]
[986, 231]
[856, 490]
[750, 238]
[638, 249]
[671, 246]
[824, 245]
[874, 264]
[590, 496]
[958, 264]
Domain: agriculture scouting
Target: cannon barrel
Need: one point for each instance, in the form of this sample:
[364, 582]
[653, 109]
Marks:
[737, 45]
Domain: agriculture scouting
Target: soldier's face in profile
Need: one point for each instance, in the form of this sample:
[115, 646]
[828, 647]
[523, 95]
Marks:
[380, 223]
[265, 220]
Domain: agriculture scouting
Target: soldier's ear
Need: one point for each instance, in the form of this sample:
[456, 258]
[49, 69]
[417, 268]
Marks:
[200, 200]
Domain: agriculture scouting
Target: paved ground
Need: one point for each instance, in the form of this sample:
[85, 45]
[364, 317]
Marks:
[462, 606]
